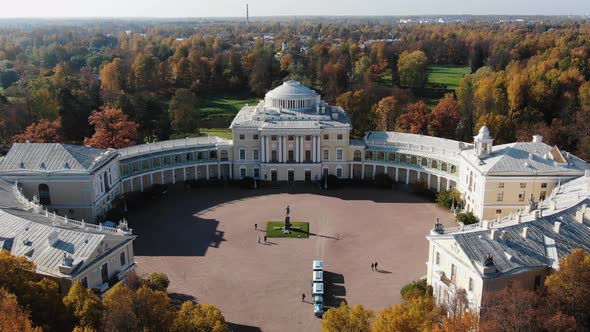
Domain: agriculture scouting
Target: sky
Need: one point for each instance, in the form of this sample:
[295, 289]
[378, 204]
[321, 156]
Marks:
[234, 8]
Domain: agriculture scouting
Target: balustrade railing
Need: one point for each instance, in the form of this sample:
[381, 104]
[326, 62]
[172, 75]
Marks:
[57, 219]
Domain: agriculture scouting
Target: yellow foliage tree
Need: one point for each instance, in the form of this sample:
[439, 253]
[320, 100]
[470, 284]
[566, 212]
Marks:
[85, 306]
[199, 317]
[345, 318]
[13, 317]
[419, 313]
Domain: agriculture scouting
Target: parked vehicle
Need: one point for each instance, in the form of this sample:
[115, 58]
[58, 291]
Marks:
[318, 305]
[318, 265]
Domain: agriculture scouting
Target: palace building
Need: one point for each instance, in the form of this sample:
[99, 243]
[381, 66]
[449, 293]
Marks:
[293, 135]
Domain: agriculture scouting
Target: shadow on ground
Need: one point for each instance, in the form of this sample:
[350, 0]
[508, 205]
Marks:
[169, 225]
[234, 327]
[335, 292]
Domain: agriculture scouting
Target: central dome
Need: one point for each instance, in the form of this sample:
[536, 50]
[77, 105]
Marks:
[292, 95]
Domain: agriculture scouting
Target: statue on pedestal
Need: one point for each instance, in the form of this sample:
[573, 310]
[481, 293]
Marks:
[532, 205]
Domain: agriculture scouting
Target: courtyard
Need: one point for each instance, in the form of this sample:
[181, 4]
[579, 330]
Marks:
[205, 241]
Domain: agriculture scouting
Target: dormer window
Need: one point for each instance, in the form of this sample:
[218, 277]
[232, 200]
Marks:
[42, 165]
[67, 166]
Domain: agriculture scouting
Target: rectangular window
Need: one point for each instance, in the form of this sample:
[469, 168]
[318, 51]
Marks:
[104, 273]
[523, 185]
[242, 137]
[326, 137]
[273, 156]
[242, 154]
[307, 156]
[338, 154]
[340, 137]
[470, 285]
[437, 259]
[273, 138]
[453, 272]
[291, 156]
[256, 154]
[308, 138]
[291, 138]
[84, 282]
[501, 185]
[521, 197]
[122, 258]
[498, 211]
[326, 154]
[339, 172]
[500, 196]
[255, 137]
[257, 173]
[242, 172]
[543, 185]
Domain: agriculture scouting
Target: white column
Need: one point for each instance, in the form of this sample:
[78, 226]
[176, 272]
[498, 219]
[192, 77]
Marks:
[262, 148]
[296, 149]
[374, 170]
[231, 168]
[363, 171]
[218, 170]
[151, 179]
[267, 142]
[131, 184]
[302, 148]
[280, 143]
[313, 147]
[428, 176]
[162, 177]
[285, 149]
[418, 176]
[173, 176]
[318, 148]
[407, 176]
[195, 172]
[448, 184]
[207, 172]
[184, 170]
[350, 171]
[396, 174]
[438, 184]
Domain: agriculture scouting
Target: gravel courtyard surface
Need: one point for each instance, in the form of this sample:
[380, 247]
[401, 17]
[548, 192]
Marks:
[204, 240]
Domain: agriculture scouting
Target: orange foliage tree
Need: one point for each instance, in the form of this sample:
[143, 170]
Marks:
[44, 131]
[113, 129]
[446, 117]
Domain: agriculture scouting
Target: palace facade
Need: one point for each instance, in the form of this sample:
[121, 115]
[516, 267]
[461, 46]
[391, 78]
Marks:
[293, 135]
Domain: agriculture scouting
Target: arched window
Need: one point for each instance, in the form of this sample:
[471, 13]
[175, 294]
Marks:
[189, 156]
[369, 155]
[380, 156]
[44, 196]
[434, 164]
[213, 154]
[424, 162]
[357, 155]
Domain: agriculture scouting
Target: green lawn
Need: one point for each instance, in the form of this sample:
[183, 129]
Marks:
[223, 105]
[447, 75]
[303, 233]
[221, 132]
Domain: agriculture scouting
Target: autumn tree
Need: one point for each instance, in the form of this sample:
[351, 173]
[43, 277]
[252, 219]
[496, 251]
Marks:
[112, 129]
[114, 80]
[145, 72]
[85, 306]
[345, 318]
[13, 317]
[446, 117]
[199, 317]
[385, 113]
[158, 281]
[286, 61]
[119, 314]
[417, 314]
[44, 131]
[183, 111]
[414, 119]
[356, 103]
[570, 285]
[501, 128]
[512, 310]
[154, 310]
[413, 69]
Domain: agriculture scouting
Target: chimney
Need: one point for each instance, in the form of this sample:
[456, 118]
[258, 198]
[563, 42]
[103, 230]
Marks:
[525, 231]
[486, 224]
[580, 215]
[53, 237]
[494, 234]
[537, 139]
[553, 205]
[556, 227]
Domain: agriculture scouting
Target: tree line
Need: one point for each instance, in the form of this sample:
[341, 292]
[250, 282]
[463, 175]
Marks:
[526, 78]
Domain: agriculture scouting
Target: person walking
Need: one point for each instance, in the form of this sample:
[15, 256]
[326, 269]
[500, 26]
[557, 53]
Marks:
[265, 239]
[303, 297]
[376, 267]
[372, 266]
[255, 227]
[259, 239]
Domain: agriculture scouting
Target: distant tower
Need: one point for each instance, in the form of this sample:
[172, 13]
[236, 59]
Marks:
[247, 14]
[483, 143]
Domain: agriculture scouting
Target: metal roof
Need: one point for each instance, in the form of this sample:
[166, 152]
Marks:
[390, 137]
[170, 145]
[291, 90]
[54, 158]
